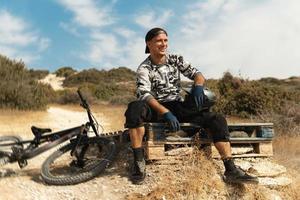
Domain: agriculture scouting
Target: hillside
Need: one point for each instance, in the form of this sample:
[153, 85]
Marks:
[236, 96]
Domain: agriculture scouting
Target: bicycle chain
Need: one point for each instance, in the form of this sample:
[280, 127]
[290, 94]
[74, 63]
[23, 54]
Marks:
[112, 134]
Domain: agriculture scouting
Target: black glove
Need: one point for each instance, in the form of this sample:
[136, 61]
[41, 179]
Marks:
[198, 94]
[172, 121]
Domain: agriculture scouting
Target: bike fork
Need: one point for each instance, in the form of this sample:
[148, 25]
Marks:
[79, 151]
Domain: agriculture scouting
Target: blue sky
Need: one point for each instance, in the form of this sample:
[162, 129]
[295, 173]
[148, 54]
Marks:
[251, 38]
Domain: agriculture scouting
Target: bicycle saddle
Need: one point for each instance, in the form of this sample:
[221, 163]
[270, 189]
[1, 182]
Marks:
[39, 131]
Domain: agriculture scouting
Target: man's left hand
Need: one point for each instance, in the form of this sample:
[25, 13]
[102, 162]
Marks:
[198, 94]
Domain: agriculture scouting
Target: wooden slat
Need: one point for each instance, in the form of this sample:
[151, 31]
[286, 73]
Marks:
[253, 124]
[204, 140]
[248, 155]
[250, 124]
[249, 140]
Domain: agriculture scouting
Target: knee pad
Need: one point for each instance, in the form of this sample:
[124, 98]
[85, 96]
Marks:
[137, 112]
[219, 129]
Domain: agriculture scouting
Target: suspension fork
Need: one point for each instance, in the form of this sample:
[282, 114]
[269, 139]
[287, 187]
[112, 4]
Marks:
[80, 148]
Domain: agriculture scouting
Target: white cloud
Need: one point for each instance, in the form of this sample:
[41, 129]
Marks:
[148, 19]
[103, 47]
[13, 30]
[256, 39]
[17, 37]
[43, 44]
[87, 13]
[69, 28]
[125, 32]
[107, 51]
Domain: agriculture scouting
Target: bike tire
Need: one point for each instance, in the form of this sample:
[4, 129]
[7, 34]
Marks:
[66, 174]
[5, 152]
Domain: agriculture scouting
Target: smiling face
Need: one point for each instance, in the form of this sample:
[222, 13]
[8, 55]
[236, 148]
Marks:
[158, 45]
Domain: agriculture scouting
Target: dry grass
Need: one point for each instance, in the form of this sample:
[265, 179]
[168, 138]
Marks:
[199, 178]
[195, 177]
[287, 153]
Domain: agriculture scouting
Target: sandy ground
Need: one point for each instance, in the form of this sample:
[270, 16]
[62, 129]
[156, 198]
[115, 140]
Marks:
[190, 178]
[54, 81]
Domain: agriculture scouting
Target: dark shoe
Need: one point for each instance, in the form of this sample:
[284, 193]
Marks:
[138, 172]
[237, 175]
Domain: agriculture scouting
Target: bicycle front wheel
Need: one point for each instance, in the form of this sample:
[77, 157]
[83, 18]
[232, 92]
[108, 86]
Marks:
[6, 150]
[62, 168]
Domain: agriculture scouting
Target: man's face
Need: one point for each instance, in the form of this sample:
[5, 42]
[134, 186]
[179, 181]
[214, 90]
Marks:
[158, 45]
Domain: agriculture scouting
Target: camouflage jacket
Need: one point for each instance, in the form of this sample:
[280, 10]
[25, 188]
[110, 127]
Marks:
[162, 82]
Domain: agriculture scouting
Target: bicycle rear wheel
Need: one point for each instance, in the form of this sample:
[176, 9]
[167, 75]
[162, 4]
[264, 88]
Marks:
[6, 151]
[61, 168]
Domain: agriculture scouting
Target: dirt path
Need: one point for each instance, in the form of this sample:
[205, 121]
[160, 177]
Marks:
[194, 177]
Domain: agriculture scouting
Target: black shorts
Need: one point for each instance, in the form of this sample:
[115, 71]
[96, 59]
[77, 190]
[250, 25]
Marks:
[139, 112]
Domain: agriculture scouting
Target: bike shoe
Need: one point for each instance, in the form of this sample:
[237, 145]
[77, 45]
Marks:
[237, 175]
[138, 172]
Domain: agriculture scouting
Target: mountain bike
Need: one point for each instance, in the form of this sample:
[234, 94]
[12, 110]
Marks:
[84, 157]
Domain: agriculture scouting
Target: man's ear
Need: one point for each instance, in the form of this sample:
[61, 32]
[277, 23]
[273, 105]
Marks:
[148, 43]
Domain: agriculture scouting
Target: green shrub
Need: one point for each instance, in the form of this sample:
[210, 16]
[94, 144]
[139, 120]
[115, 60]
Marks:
[38, 74]
[19, 90]
[67, 96]
[121, 74]
[65, 72]
[105, 85]
[86, 76]
[95, 76]
[241, 97]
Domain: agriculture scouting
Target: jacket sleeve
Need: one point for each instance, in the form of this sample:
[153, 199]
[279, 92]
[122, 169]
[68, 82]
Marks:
[186, 68]
[143, 84]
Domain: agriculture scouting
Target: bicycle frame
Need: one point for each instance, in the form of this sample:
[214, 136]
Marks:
[61, 136]
[21, 154]
[53, 139]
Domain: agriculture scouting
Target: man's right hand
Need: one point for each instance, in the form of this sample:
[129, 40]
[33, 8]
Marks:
[172, 121]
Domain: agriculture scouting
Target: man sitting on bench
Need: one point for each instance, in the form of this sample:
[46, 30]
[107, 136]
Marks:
[158, 87]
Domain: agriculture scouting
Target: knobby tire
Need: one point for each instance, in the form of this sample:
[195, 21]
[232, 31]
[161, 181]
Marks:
[6, 151]
[105, 155]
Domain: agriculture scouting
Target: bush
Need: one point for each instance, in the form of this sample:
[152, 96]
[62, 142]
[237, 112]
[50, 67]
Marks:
[38, 74]
[65, 72]
[19, 90]
[86, 76]
[108, 86]
[121, 74]
[95, 76]
[241, 97]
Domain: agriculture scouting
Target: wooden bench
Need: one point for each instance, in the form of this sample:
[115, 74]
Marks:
[242, 136]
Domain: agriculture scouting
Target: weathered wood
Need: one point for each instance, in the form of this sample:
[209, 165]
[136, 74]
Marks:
[250, 124]
[158, 140]
[154, 151]
[264, 148]
[250, 140]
